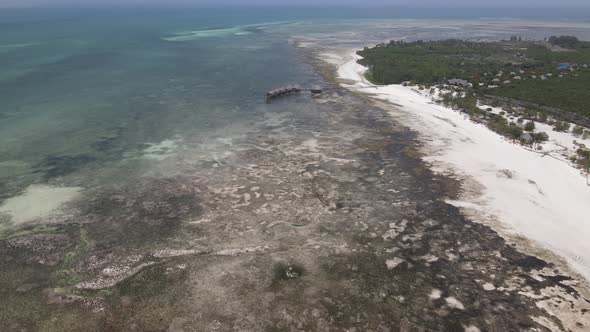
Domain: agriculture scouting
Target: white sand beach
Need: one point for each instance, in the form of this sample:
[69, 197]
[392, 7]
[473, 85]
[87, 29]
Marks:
[518, 192]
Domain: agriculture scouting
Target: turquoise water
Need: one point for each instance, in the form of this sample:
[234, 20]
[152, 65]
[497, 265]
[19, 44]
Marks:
[85, 91]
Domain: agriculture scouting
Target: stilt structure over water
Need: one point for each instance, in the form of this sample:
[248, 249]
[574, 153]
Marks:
[316, 89]
[289, 89]
[292, 89]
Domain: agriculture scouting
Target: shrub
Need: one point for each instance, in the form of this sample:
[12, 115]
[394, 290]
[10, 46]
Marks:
[529, 126]
[583, 153]
[578, 130]
[514, 131]
[564, 41]
[561, 126]
[540, 137]
[542, 117]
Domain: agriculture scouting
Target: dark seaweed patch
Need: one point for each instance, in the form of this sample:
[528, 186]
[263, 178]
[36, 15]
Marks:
[105, 144]
[557, 280]
[4, 192]
[56, 166]
[287, 271]
[531, 262]
[140, 212]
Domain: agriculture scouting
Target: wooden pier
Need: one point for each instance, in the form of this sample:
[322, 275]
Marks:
[289, 90]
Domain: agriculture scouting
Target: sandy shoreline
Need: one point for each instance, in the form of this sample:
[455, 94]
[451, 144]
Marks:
[516, 191]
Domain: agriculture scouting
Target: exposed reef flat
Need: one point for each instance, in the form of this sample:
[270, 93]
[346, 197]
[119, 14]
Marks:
[311, 220]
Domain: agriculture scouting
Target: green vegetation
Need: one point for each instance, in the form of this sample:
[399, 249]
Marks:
[569, 94]
[549, 76]
[578, 131]
[561, 126]
[582, 158]
[564, 41]
[496, 122]
[529, 126]
[522, 70]
[423, 62]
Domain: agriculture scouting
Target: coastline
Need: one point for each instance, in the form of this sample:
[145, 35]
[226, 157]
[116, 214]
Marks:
[540, 204]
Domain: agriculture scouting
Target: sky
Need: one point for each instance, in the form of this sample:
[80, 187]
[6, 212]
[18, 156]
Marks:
[403, 3]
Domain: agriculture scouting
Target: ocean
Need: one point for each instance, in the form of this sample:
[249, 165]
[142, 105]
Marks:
[84, 91]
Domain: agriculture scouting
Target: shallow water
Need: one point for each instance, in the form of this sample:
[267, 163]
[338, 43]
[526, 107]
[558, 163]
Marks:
[93, 92]
[180, 198]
